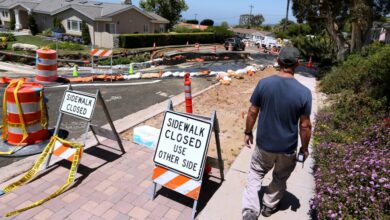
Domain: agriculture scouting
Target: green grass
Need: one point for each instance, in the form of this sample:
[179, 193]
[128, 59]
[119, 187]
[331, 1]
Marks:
[42, 42]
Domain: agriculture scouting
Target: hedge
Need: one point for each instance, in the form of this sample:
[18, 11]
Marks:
[147, 40]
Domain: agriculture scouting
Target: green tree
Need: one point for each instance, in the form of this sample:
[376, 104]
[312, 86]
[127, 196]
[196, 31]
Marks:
[192, 21]
[57, 25]
[169, 9]
[32, 25]
[257, 20]
[267, 27]
[207, 22]
[85, 33]
[335, 14]
[225, 24]
[12, 22]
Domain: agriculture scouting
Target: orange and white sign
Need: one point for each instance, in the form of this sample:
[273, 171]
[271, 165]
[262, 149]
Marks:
[183, 143]
[101, 53]
[64, 151]
[179, 183]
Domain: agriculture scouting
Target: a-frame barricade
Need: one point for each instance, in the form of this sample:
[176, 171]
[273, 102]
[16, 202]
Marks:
[91, 100]
[177, 181]
[77, 104]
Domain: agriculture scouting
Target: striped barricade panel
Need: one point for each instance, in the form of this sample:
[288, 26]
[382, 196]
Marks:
[101, 53]
[64, 151]
[177, 182]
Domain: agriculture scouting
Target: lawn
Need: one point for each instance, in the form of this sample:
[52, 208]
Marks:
[65, 48]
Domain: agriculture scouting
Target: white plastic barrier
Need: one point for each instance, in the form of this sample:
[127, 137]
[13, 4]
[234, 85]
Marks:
[146, 136]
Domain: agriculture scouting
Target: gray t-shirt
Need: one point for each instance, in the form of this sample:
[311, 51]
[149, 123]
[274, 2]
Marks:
[282, 101]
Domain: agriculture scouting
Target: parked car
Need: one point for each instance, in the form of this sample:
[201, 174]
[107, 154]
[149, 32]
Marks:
[236, 43]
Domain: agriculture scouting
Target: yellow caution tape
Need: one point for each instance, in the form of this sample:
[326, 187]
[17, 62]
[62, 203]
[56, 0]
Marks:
[34, 170]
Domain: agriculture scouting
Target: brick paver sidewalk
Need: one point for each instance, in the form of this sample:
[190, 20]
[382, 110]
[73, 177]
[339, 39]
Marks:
[109, 186]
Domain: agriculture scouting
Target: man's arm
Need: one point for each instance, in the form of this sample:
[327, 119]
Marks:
[253, 112]
[305, 133]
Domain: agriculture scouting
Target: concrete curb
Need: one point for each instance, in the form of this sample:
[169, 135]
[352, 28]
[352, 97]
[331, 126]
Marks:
[121, 125]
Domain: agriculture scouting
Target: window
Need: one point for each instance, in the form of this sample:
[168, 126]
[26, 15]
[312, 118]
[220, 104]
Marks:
[162, 28]
[146, 28]
[110, 28]
[4, 13]
[74, 25]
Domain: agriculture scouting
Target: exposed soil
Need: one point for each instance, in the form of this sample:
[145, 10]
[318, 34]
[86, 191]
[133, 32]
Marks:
[231, 103]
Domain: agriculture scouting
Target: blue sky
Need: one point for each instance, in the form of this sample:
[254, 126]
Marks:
[230, 10]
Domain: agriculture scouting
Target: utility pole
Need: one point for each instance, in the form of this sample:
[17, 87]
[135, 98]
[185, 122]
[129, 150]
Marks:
[195, 15]
[286, 20]
[250, 15]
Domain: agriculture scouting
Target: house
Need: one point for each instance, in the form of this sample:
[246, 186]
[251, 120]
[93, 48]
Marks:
[104, 20]
[252, 34]
[193, 26]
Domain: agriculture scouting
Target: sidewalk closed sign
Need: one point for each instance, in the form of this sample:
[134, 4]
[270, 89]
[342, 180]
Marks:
[183, 144]
[78, 104]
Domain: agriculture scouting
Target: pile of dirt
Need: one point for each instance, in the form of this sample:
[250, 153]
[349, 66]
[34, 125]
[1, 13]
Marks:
[231, 103]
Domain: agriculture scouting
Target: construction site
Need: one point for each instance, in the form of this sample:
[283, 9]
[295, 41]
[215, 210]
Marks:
[135, 96]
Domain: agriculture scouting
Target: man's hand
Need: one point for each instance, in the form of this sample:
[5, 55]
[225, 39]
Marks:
[253, 111]
[305, 151]
[248, 140]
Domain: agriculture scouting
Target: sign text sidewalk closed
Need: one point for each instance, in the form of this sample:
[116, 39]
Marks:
[183, 144]
[78, 104]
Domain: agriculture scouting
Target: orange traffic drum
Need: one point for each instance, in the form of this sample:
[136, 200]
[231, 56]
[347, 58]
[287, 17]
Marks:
[46, 62]
[25, 115]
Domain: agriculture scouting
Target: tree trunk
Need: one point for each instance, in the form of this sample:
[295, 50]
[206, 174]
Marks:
[356, 37]
[337, 38]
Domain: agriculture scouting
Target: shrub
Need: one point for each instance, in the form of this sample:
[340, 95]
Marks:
[221, 33]
[319, 47]
[184, 29]
[123, 60]
[48, 32]
[147, 40]
[85, 33]
[12, 22]
[352, 138]
[207, 22]
[32, 25]
[10, 36]
[66, 46]
[369, 72]
[351, 179]
[192, 21]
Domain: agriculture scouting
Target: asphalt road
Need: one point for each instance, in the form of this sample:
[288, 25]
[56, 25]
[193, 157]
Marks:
[122, 99]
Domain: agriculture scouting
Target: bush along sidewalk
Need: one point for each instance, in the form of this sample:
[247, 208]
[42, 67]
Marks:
[352, 139]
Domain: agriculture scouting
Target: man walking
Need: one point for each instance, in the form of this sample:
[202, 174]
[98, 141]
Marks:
[284, 104]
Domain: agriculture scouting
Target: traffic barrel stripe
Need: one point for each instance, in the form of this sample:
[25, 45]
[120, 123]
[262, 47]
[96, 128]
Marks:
[45, 67]
[47, 61]
[40, 78]
[30, 107]
[47, 54]
[29, 118]
[30, 129]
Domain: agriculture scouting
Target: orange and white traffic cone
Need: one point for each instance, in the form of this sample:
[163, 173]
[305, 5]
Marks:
[310, 63]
